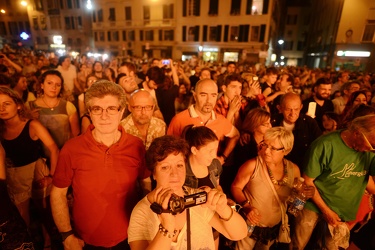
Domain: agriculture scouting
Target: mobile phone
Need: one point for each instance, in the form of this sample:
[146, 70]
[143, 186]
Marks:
[255, 78]
[165, 62]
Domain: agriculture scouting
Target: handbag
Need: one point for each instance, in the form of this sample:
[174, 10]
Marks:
[284, 231]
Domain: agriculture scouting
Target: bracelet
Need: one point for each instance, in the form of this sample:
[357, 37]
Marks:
[244, 203]
[65, 235]
[230, 216]
[224, 156]
[165, 232]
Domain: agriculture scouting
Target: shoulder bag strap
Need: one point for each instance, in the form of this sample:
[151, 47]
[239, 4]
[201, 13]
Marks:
[273, 189]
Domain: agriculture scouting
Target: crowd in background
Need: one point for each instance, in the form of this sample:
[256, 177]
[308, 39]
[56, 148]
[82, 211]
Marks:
[238, 105]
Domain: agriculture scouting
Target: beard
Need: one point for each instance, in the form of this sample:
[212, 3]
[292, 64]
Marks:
[320, 97]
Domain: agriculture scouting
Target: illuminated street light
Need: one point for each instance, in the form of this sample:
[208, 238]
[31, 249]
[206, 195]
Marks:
[2, 11]
[89, 5]
[281, 42]
[282, 57]
[24, 3]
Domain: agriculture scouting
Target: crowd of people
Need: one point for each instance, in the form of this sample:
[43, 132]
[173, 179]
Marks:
[155, 154]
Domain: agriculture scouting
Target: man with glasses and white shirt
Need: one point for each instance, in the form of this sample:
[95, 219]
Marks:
[141, 123]
[104, 167]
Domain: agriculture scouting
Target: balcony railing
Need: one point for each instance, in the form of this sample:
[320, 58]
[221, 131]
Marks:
[148, 23]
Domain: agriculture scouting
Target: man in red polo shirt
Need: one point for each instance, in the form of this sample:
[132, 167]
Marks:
[202, 114]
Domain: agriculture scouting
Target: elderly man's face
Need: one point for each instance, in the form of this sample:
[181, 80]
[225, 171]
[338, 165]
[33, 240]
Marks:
[290, 109]
[141, 105]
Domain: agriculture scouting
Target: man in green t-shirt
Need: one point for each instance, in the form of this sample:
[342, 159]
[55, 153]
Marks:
[338, 165]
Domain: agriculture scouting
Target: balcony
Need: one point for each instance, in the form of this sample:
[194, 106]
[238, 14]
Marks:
[139, 23]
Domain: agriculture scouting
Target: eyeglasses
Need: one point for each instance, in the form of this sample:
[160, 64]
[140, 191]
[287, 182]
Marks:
[262, 144]
[372, 149]
[111, 110]
[140, 108]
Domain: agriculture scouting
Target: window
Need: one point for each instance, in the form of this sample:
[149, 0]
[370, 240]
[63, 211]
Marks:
[368, 33]
[21, 27]
[73, 23]
[69, 4]
[243, 35]
[46, 41]
[35, 23]
[96, 36]
[254, 35]
[38, 40]
[43, 24]
[124, 35]
[256, 7]
[100, 15]
[288, 45]
[55, 22]
[27, 27]
[115, 36]
[67, 23]
[235, 7]
[79, 42]
[109, 36]
[79, 22]
[193, 33]
[53, 4]
[291, 19]
[289, 33]
[13, 28]
[213, 8]
[62, 4]
[146, 14]
[70, 41]
[168, 11]
[131, 35]
[149, 35]
[168, 35]
[214, 33]
[94, 16]
[112, 14]
[3, 30]
[101, 36]
[38, 4]
[301, 45]
[191, 7]
[234, 33]
[78, 4]
[128, 13]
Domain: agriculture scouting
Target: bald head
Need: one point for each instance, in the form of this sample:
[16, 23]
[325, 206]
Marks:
[140, 96]
[290, 106]
[205, 96]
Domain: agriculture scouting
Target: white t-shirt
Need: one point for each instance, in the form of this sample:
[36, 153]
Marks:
[144, 225]
[69, 76]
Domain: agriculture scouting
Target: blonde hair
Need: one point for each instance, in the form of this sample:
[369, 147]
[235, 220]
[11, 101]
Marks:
[284, 136]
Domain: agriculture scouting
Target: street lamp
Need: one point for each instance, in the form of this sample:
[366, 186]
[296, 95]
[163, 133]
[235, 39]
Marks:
[2, 11]
[89, 5]
[281, 42]
[24, 3]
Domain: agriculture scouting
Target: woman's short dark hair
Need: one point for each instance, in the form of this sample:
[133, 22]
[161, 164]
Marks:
[198, 136]
[164, 146]
[156, 74]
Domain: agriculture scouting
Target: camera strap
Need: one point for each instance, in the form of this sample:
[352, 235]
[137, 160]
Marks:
[188, 234]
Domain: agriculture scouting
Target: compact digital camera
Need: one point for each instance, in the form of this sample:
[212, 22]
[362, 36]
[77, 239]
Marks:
[178, 204]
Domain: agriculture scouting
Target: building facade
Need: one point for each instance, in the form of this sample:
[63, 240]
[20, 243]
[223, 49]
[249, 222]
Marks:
[60, 25]
[213, 30]
[14, 24]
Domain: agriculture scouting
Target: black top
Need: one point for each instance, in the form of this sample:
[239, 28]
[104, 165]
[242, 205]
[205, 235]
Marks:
[22, 150]
[320, 110]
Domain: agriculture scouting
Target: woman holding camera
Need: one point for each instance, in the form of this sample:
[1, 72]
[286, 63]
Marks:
[147, 229]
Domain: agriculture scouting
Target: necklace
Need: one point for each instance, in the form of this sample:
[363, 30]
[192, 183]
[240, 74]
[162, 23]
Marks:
[283, 181]
[54, 106]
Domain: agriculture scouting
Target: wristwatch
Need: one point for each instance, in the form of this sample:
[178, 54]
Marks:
[65, 235]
